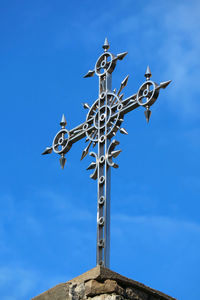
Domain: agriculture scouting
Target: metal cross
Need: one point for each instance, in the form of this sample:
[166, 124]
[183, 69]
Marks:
[103, 120]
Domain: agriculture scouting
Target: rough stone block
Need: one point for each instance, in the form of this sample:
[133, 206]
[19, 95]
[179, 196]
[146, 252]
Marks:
[107, 297]
[94, 287]
[135, 294]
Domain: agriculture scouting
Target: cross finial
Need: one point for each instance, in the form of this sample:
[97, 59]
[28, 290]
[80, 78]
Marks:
[63, 121]
[148, 73]
[106, 45]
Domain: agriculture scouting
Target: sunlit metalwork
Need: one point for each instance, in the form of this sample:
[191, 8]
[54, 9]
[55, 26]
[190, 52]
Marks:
[105, 117]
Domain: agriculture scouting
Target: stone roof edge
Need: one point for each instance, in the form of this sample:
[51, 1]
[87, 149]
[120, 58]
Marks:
[102, 273]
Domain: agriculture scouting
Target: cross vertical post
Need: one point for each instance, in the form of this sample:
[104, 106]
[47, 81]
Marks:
[103, 182]
[104, 119]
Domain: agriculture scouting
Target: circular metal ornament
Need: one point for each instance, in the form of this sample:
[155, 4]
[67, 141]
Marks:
[101, 179]
[102, 159]
[103, 115]
[101, 243]
[104, 64]
[102, 139]
[101, 221]
[60, 142]
[101, 200]
[147, 93]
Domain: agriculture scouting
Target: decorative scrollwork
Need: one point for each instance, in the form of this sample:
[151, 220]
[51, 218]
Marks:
[113, 153]
[93, 165]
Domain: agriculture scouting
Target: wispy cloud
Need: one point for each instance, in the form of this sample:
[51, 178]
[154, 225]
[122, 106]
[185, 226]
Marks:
[64, 206]
[163, 229]
[18, 282]
[165, 34]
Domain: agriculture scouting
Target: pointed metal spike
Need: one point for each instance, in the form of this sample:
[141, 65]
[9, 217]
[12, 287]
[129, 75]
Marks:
[106, 45]
[121, 120]
[115, 153]
[147, 114]
[116, 166]
[90, 73]
[62, 161]
[85, 151]
[63, 121]
[123, 131]
[86, 105]
[115, 142]
[94, 144]
[164, 84]
[48, 150]
[148, 73]
[124, 82]
[120, 56]
[114, 91]
[91, 166]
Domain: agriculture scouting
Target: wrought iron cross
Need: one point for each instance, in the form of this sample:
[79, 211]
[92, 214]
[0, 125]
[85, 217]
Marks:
[103, 120]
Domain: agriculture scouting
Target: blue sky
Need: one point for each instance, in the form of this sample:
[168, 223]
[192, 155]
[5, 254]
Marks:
[48, 216]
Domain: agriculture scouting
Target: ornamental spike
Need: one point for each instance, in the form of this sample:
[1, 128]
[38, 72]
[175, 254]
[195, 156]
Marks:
[123, 131]
[91, 166]
[85, 151]
[62, 161]
[48, 150]
[106, 45]
[147, 114]
[115, 153]
[63, 121]
[164, 84]
[120, 56]
[123, 84]
[148, 73]
[90, 73]
[86, 105]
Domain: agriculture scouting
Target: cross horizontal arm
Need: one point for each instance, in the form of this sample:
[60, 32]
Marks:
[78, 132]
